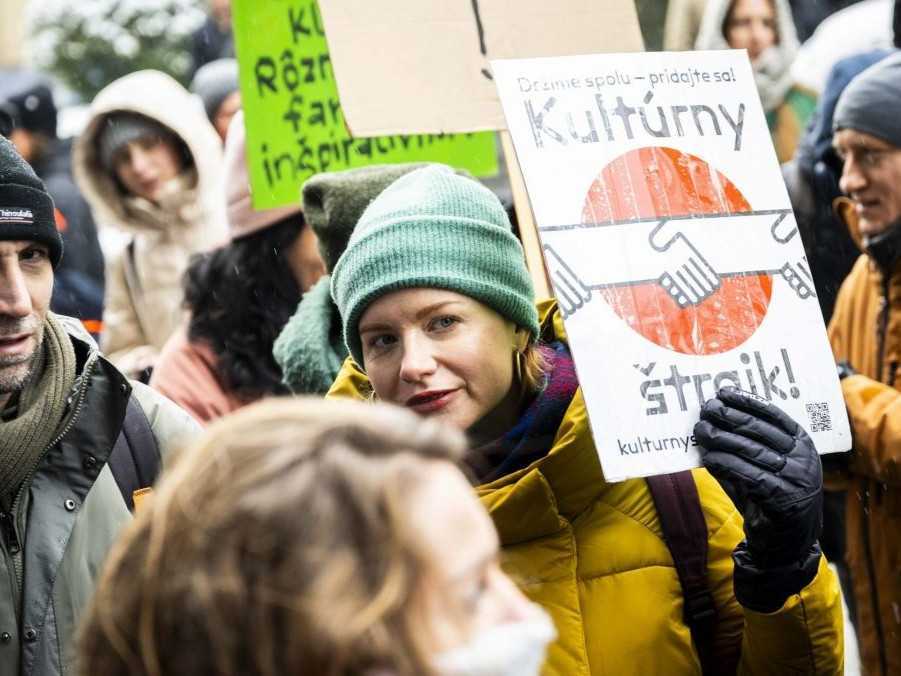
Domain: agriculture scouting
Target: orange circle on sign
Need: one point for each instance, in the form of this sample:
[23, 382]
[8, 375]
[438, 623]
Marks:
[656, 182]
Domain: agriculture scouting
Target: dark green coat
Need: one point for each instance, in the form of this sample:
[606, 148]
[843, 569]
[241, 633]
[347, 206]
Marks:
[69, 517]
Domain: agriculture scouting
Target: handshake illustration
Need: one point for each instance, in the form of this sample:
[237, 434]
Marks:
[581, 259]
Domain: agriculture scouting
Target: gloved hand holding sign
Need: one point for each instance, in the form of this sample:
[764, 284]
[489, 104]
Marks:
[770, 466]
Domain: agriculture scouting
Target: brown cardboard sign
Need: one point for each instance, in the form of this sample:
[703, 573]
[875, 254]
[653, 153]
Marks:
[421, 66]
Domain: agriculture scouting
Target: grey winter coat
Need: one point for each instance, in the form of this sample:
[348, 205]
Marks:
[56, 536]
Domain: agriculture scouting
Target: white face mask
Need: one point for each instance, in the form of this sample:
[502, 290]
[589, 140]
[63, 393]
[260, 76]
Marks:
[514, 649]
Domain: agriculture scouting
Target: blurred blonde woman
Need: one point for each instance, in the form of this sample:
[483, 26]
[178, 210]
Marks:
[312, 537]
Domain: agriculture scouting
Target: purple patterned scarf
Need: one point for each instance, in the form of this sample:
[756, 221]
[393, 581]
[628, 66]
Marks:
[532, 436]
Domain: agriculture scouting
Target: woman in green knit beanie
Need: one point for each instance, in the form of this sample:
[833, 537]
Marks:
[439, 316]
[431, 238]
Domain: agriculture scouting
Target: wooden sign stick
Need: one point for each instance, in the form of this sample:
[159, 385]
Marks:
[528, 232]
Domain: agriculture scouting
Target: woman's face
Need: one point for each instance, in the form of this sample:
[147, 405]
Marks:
[463, 590]
[752, 26]
[304, 260]
[440, 353]
[144, 167]
[230, 105]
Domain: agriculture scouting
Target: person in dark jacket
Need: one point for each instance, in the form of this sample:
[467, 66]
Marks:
[213, 40]
[63, 409]
[812, 181]
[27, 100]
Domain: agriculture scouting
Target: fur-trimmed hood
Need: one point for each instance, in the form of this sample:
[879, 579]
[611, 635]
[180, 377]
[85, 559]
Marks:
[772, 70]
[157, 96]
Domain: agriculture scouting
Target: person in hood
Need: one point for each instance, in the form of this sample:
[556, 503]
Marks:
[239, 297]
[149, 163]
[64, 414]
[765, 29]
[27, 100]
[812, 178]
[214, 39]
[439, 316]
[865, 333]
[325, 538]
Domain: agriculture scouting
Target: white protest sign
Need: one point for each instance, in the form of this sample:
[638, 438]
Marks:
[672, 247]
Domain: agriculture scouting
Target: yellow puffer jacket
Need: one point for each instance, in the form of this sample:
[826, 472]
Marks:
[592, 554]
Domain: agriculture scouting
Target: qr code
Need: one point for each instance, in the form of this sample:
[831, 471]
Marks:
[819, 417]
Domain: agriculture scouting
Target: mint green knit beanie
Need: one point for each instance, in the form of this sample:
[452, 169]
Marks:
[434, 229]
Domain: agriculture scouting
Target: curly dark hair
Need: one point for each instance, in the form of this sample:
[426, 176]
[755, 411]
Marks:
[241, 296]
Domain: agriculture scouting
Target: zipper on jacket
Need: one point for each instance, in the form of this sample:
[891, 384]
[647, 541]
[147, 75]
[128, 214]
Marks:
[73, 418]
[10, 537]
[11, 549]
[871, 573]
[882, 329]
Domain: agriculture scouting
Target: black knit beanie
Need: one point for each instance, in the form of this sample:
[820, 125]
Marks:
[26, 208]
[871, 101]
[27, 98]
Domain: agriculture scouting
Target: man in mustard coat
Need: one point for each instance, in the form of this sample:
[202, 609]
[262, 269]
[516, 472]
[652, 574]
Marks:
[865, 333]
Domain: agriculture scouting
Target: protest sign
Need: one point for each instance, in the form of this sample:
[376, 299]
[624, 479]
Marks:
[295, 123]
[671, 244]
[433, 54]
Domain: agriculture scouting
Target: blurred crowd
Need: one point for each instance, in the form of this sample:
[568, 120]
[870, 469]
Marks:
[153, 322]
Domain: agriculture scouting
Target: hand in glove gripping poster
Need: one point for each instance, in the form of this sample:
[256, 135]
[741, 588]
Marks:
[670, 241]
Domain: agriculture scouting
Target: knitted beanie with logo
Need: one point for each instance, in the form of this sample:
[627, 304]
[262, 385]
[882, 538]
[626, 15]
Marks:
[26, 208]
[433, 229]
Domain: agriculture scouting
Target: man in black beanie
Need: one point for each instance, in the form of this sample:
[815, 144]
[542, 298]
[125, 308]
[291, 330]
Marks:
[26, 102]
[865, 332]
[78, 441]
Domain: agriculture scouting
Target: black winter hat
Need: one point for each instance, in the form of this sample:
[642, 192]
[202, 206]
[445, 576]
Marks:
[26, 208]
[26, 97]
[870, 102]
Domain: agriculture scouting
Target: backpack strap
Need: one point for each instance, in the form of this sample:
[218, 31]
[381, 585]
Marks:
[135, 458]
[685, 533]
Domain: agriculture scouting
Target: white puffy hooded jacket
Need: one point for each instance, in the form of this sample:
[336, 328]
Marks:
[144, 282]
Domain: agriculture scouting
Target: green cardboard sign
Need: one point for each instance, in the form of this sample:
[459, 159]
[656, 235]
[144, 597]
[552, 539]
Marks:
[295, 126]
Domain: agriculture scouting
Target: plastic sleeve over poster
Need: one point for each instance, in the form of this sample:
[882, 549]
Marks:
[672, 247]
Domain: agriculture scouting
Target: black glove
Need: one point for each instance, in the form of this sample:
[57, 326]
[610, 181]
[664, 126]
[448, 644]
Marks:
[771, 469]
